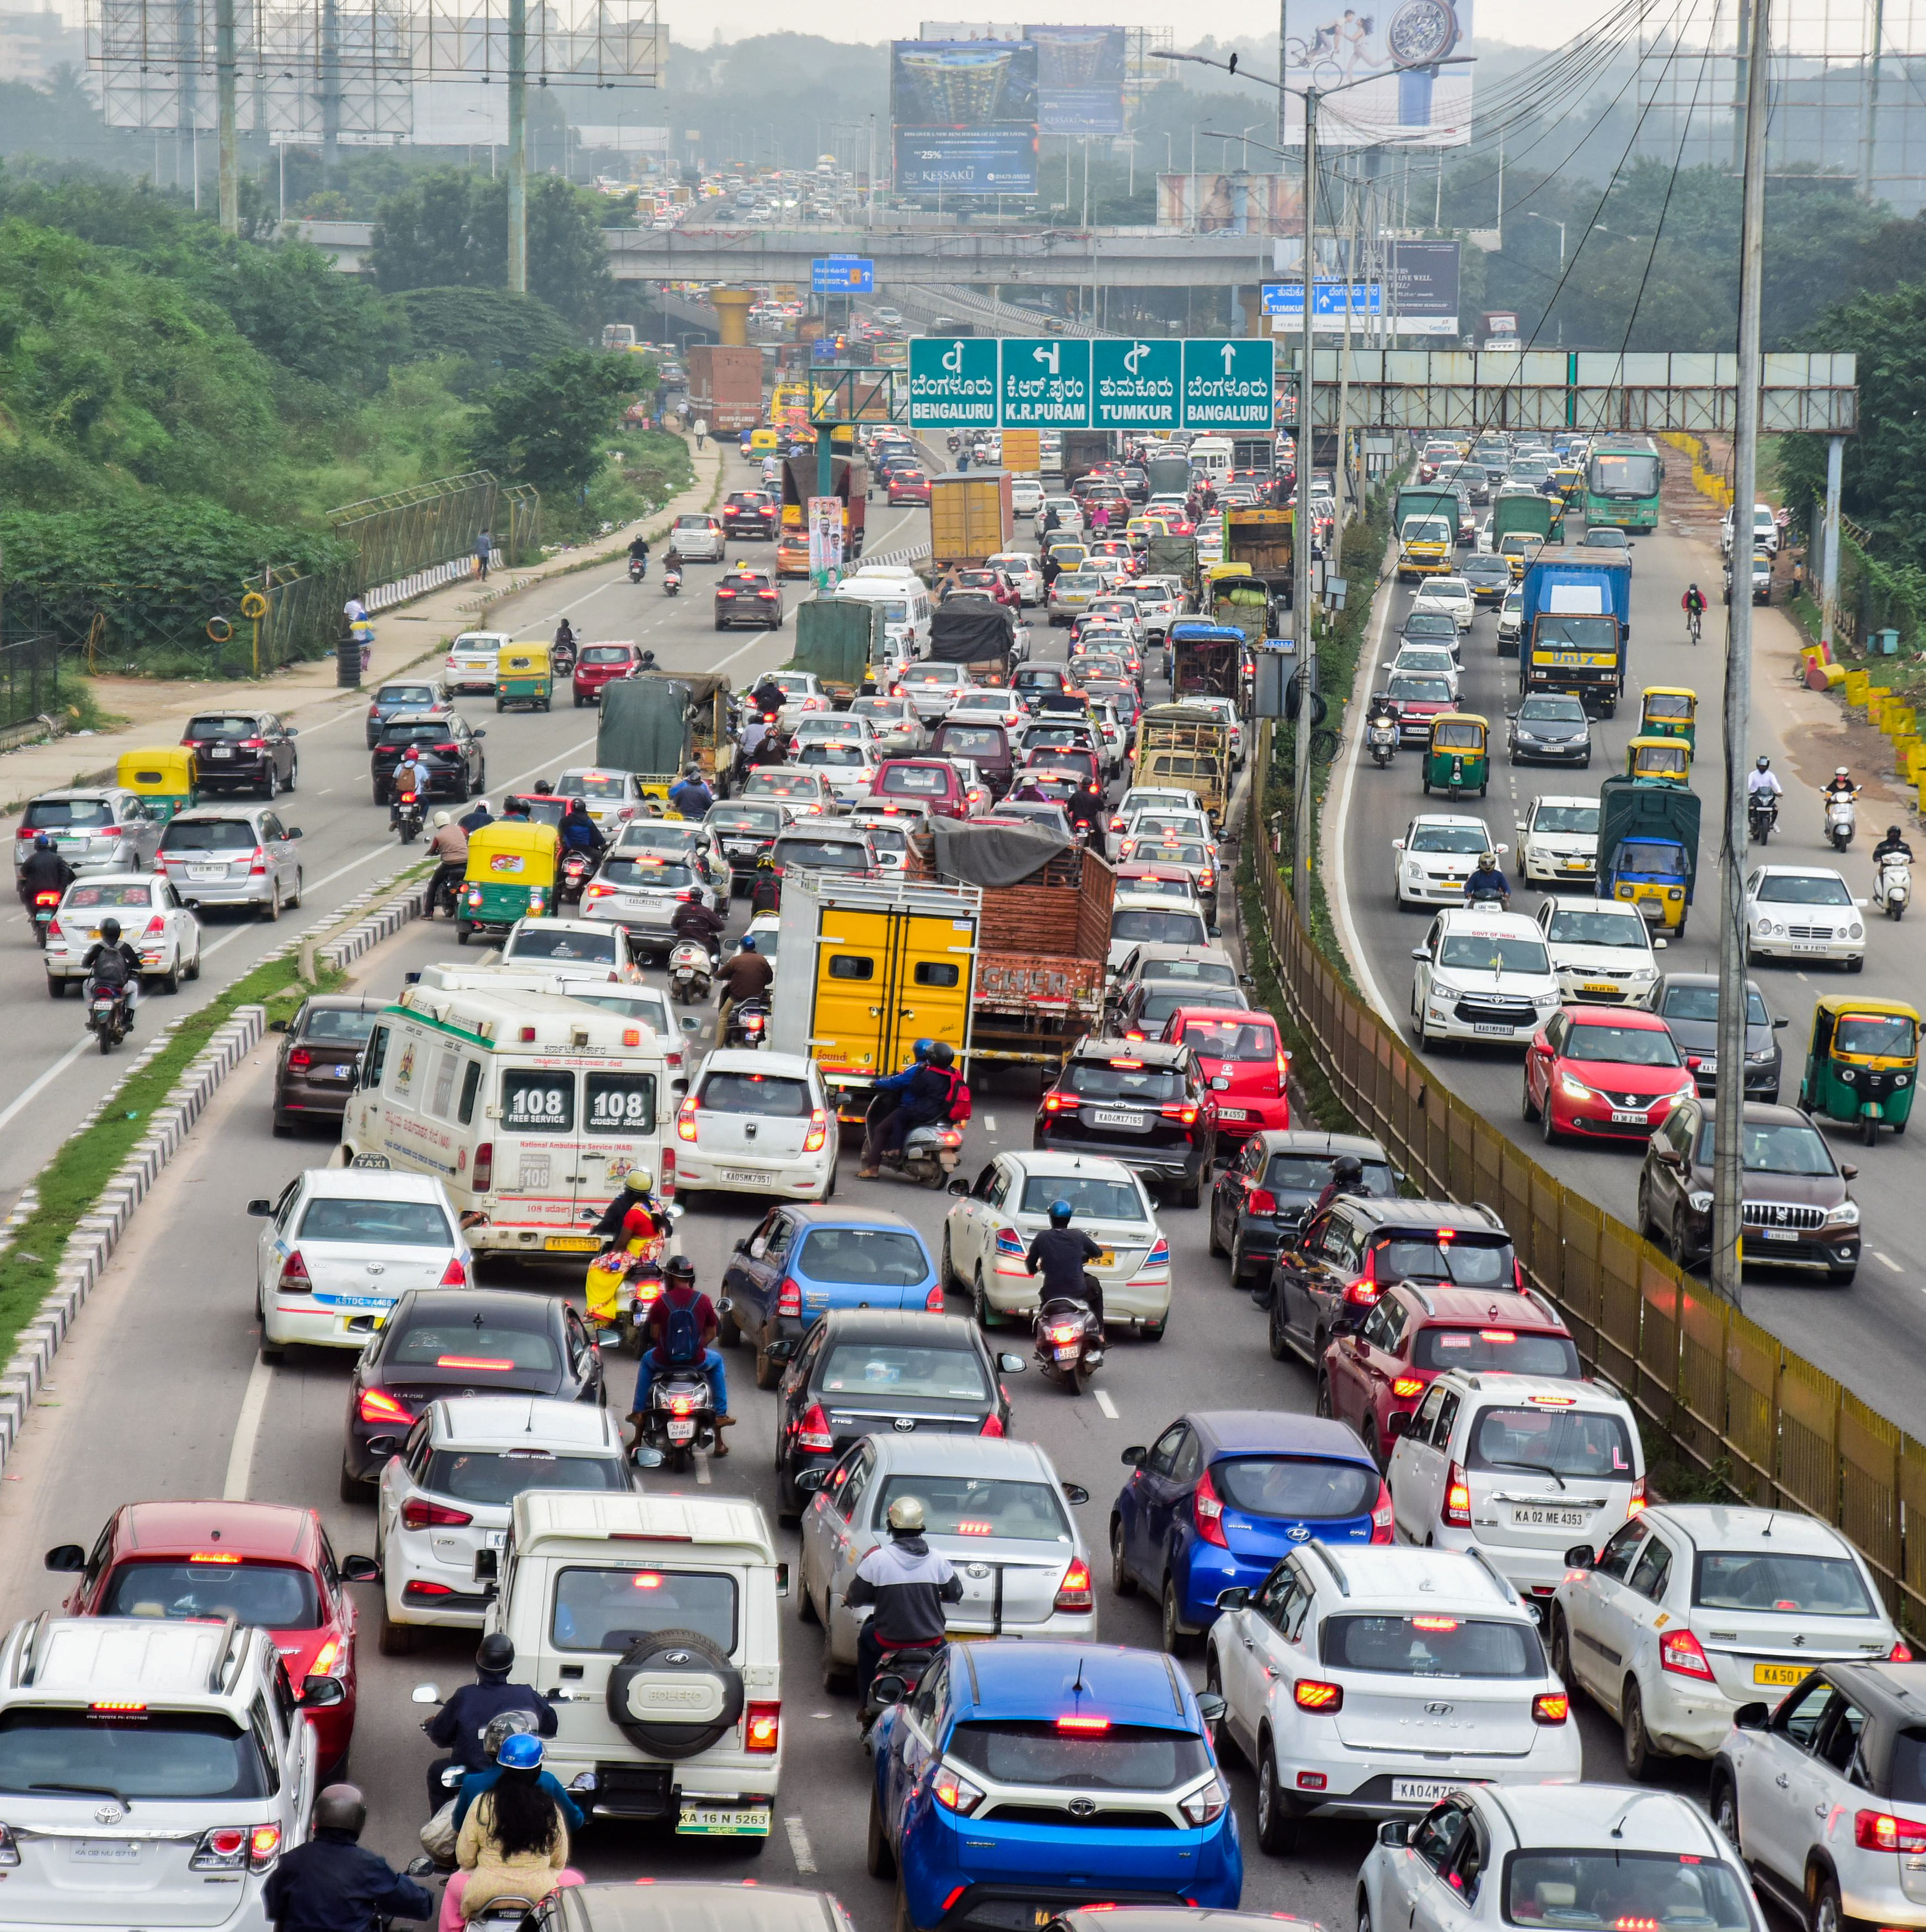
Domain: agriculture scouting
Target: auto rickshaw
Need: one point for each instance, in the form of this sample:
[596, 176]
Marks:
[1863, 1063]
[1649, 851]
[1659, 760]
[511, 869]
[1670, 711]
[1458, 757]
[522, 677]
[165, 777]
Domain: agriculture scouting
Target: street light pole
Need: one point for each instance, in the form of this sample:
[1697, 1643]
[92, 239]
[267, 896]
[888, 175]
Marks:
[1303, 631]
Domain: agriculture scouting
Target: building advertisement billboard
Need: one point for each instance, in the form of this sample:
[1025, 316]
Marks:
[1408, 103]
[1230, 204]
[964, 116]
[1080, 79]
[1424, 286]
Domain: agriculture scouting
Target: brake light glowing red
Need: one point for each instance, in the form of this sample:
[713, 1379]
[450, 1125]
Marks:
[377, 1405]
[762, 1727]
[1679, 1652]
[814, 1431]
[1313, 1695]
[1083, 1723]
[417, 1514]
[1456, 1513]
[1074, 1592]
[1207, 1511]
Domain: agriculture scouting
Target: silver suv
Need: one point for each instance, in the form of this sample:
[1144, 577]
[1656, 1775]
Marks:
[95, 828]
[233, 855]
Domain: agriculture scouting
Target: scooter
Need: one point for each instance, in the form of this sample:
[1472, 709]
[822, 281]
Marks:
[690, 968]
[638, 568]
[409, 811]
[1841, 818]
[672, 581]
[895, 1682]
[1380, 736]
[561, 658]
[45, 905]
[1762, 814]
[748, 1023]
[1069, 1342]
[677, 1419]
[108, 1018]
[1892, 886]
[929, 1154]
[578, 868]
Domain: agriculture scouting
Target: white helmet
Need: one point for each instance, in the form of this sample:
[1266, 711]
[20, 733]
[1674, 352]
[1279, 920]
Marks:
[440, 818]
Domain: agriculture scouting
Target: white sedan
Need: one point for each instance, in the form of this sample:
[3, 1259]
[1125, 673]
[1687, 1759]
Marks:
[806, 793]
[1026, 497]
[153, 921]
[802, 694]
[1069, 515]
[1424, 659]
[1021, 568]
[1452, 595]
[1558, 841]
[611, 798]
[342, 1246]
[988, 1232]
[757, 1123]
[838, 726]
[472, 662]
[1799, 912]
[1600, 950]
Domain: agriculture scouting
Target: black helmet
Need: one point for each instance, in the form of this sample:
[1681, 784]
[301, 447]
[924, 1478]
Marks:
[1060, 1212]
[341, 1807]
[496, 1653]
[1892, 832]
[110, 930]
[543, 786]
[1347, 1168]
[678, 1268]
[942, 1054]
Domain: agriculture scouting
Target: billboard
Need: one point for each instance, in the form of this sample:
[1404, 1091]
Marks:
[1080, 70]
[1424, 287]
[964, 116]
[1423, 297]
[1230, 204]
[1414, 106]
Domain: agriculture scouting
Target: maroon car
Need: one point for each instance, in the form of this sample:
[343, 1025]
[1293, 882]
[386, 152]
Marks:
[599, 665]
[908, 486]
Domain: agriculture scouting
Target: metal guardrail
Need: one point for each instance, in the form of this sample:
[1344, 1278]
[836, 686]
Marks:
[1731, 1398]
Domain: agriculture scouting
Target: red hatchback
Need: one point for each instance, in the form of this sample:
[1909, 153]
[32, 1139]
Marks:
[907, 486]
[1245, 1066]
[263, 1563]
[1604, 1073]
[934, 784]
[1382, 1365]
[599, 665]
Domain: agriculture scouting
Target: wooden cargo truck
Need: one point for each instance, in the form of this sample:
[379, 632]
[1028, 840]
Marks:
[971, 518]
[1186, 747]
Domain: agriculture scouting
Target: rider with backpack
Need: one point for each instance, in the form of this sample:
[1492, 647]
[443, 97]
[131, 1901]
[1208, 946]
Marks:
[683, 1326]
[112, 965]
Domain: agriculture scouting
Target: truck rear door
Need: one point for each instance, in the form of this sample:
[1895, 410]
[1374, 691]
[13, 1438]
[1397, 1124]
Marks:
[885, 980]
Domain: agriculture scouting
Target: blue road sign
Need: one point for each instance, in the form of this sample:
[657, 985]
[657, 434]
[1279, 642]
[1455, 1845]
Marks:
[1227, 382]
[843, 275]
[1287, 298]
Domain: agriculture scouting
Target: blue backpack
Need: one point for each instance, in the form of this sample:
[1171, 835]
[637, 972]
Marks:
[681, 1339]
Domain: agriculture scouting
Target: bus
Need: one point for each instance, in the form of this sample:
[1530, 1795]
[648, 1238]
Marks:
[618, 335]
[1622, 478]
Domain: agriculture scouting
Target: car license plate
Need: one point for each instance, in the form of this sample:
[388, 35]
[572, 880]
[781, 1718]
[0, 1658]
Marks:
[753, 1177]
[1504, 1031]
[218, 752]
[1103, 1116]
[1597, 986]
[1779, 1233]
[498, 1539]
[699, 1820]
[573, 1244]
[341, 1073]
[1781, 1673]
[1422, 1790]
[682, 1430]
[106, 1851]
[1808, 945]
[1233, 1113]
[1623, 1117]
[207, 871]
[1577, 865]
[1534, 1516]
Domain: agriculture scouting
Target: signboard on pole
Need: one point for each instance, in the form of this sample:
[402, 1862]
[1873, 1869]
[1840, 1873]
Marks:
[825, 537]
[1228, 382]
[953, 382]
[1045, 382]
[1284, 301]
[1135, 385]
[842, 275]
[1113, 383]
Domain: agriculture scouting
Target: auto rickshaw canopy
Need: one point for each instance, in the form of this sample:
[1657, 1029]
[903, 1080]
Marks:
[511, 852]
[1459, 731]
[164, 771]
[1865, 1029]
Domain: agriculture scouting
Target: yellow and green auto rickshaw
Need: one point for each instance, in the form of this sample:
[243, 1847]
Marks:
[165, 776]
[1863, 1063]
[511, 868]
[522, 677]
[1458, 757]
[1670, 711]
[1659, 760]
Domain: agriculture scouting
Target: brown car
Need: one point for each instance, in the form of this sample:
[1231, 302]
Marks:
[1797, 1214]
[320, 1056]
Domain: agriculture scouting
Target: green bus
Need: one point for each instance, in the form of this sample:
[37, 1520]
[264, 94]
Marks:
[1621, 482]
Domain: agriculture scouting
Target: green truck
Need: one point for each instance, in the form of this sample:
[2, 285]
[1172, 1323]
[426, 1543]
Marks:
[839, 638]
[1523, 522]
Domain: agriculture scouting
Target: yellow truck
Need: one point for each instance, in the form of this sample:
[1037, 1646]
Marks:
[971, 518]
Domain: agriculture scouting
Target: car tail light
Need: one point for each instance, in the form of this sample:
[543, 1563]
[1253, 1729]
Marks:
[1207, 1511]
[819, 1132]
[992, 1423]
[1159, 1256]
[264, 1846]
[1182, 1112]
[1456, 1513]
[482, 1175]
[1009, 1242]
[25, 831]
[1679, 1652]
[1405, 1387]
[1551, 1707]
[1055, 1103]
[1901, 1653]
[257, 866]
[1204, 1805]
[294, 1278]
[665, 1178]
[224, 1848]
[300, 1060]
[455, 1275]
[377, 1405]
[1637, 1500]
[1074, 1592]
[1261, 1200]
[762, 1727]
[1381, 1515]
[253, 744]
[955, 1793]
[331, 1660]
[789, 1297]
[1881, 1831]
[1312, 1694]
[685, 1120]
[417, 1592]
[813, 1431]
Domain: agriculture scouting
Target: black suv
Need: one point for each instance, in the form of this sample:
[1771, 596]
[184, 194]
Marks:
[243, 750]
[748, 513]
[452, 760]
[1261, 1198]
[1143, 1102]
[748, 597]
[1334, 1265]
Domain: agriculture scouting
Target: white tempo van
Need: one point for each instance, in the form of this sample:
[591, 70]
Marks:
[905, 607]
[1210, 456]
[530, 1107]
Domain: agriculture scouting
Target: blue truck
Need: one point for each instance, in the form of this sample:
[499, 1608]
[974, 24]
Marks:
[1575, 627]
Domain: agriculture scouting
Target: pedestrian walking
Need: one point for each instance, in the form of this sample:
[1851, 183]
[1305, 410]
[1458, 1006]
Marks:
[702, 430]
[484, 548]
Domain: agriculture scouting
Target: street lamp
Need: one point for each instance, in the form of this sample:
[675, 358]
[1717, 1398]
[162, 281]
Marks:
[1531, 214]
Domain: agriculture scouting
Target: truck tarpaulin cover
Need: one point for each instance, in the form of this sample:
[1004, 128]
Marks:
[644, 725]
[994, 855]
[966, 630]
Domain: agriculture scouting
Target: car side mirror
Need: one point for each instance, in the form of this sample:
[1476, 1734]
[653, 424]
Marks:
[1233, 1600]
[1658, 946]
[261, 1209]
[1781, 1020]
[385, 1446]
[1581, 1556]
[1421, 953]
[1753, 1716]
[66, 1557]
[294, 832]
[1395, 1833]
[424, 1693]
[479, 731]
[782, 1351]
[807, 1481]
[1398, 1422]
[958, 1185]
[361, 1569]
[1692, 1063]
[277, 1026]
[1011, 1365]
[1848, 1172]
[1133, 1456]
[321, 1693]
[1667, 1157]
[782, 1579]
[1210, 1707]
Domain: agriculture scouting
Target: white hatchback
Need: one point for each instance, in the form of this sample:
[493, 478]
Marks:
[757, 1123]
[1452, 595]
[1799, 912]
[1021, 568]
[1558, 841]
[1438, 852]
[342, 1246]
[471, 663]
[571, 948]
[1602, 951]
[152, 920]
[1481, 975]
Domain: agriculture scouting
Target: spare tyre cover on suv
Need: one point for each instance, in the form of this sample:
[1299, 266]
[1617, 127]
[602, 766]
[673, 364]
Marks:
[674, 1693]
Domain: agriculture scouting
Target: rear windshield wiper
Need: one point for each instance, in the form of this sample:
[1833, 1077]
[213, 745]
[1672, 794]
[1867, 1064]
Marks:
[87, 1791]
[1538, 1468]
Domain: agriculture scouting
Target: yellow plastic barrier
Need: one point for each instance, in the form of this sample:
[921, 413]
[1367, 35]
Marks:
[1877, 695]
[1856, 682]
[1835, 676]
[1916, 762]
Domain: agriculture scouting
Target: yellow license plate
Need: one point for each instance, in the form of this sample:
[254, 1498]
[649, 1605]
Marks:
[1108, 1258]
[1781, 1673]
[573, 1244]
[1597, 986]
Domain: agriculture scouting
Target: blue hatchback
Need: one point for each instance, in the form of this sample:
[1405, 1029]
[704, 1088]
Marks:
[1222, 1494]
[1025, 1778]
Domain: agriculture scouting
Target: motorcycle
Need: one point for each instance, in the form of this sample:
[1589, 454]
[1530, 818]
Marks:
[1841, 818]
[45, 905]
[690, 967]
[1892, 886]
[1070, 1342]
[677, 1419]
[409, 813]
[578, 868]
[108, 1018]
[672, 581]
[929, 1154]
[445, 891]
[1380, 736]
[748, 1023]
[1762, 814]
[896, 1681]
[561, 658]
[638, 568]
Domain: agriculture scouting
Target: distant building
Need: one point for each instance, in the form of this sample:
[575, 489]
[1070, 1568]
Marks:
[34, 46]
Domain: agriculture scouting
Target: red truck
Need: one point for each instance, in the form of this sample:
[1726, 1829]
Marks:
[725, 387]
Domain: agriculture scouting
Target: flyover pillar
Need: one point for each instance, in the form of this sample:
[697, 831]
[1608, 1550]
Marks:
[732, 315]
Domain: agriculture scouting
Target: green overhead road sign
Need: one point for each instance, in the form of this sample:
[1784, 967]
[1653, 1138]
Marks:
[953, 382]
[1046, 382]
[1227, 382]
[1135, 384]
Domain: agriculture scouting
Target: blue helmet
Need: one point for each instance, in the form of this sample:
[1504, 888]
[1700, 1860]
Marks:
[749, 942]
[521, 1753]
[1060, 1212]
[924, 1048]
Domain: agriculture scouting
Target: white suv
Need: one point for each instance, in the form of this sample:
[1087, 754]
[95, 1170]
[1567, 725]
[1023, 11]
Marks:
[1523, 1466]
[1332, 1671]
[154, 1771]
[1481, 974]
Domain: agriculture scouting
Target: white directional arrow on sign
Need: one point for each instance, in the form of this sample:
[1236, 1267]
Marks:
[1051, 355]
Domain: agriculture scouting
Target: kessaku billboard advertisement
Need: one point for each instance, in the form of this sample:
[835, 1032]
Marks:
[1407, 100]
[1080, 79]
[965, 116]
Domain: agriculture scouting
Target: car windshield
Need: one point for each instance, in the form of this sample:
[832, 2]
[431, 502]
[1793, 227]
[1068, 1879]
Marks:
[120, 898]
[1803, 889]
[1448, 838]
[968, 741]
[893, 1369]
[1568, 709]
[46, 814]
[1299, 1488]
[1424, 659]
[1511, 1351]
[407, 695]
[1121, 1757]
[472, 1347]
[768, 1096]
[1123, 1078]
[836, 753]
[1493, 953]
[1621, 1045]
[1580, 926]
[1579, 818]
[1618, 1891]
[592, 785]
[863, 1257]
[215, 1584]
[1091, 1198]
[209, 835]
[1405, 689]
[1466, 1261]
[660, 875]
[611, 1609]
[163, 1755]
[496, 1478]
[1886, 1036]
[220, 725]
[430, 732]
[1432, 623]
[1160, 927]
[1572, 1441]
[336, 1026]
[838, 855]
[540, 941]
[979, 1506]
[401, 1224]
[1701, 1002]
[1245, 1041]
[1191, 972]
[1306, 1174]
[1758, 1580]
[1775, 1147]
[1424, 1645]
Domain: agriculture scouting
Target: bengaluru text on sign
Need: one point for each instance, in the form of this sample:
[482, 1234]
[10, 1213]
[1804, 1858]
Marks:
[1104, 382]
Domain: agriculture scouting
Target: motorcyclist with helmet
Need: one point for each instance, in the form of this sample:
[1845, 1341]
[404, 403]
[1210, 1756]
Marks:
[634, 1212]
[767, 697]
[921, 1094]
[580, 833]
[460, 1725]
[904, 1584]
[1762, 782]
[690, 795]
[111, 963]
[513, 1843]
[449, 849]
[409, 781]
[1487, 882]
[745, 975]
[682, 1329]
[509, 1724]
[1062, 1255]
[1892, 846]
[330, 1884]
[45, 871]
[702, 925]
[1347, 1176]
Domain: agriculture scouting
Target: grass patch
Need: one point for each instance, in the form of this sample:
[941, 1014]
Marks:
[72, 1182]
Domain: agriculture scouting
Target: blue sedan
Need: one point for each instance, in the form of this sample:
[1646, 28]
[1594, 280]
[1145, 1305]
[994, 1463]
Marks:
[1222, 1494]
[1022, 1778]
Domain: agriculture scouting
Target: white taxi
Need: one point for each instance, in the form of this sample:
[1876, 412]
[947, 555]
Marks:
[342, 1245]
[472, 662]
[1801, 912]
[1450, 595]
[1481, 974]
[1438, 852]
[1558, 841]
[1602, 951]
[153, 921]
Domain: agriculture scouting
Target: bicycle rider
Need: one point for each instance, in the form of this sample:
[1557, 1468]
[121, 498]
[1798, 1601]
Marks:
[1693, 605]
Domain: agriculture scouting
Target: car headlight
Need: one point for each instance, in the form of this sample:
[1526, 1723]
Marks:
[1413, 869]
[1759, 1059]
[1443, 989]
[1641, 972]
[1699, 1204]
[1573, 1090]
[1855, 930]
